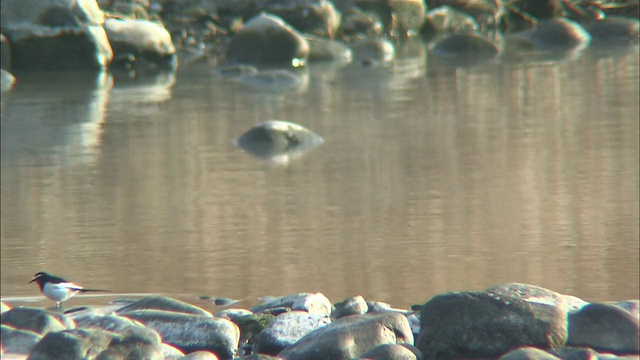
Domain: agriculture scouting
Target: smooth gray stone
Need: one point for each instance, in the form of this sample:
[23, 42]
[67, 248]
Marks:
[473, 324]
[318, 17]
[281, 141]
[191, 332]
[141, 40]
[37, 320]
[136, 343]
[448, 19]
[313, 303]
[352, 306]
[528, 353]
[321, 49]
[555, 35]
[267, 39]
[409, 15]
[532, 293]
[615, 29]
[16, 341]
[56, 35]
[373, 52]
[351, 337]
[199, 355]
[110, 322]
[163, 303]
[287, 329]
[632, 306]
[232, 314]
[606, 328]
[463, 50]
[393, 352]
[71, 344]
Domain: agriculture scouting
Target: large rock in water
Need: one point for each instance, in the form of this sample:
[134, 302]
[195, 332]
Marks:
[267, 39]
[463, 325]
[351, 337]
[56, 34]
[141, 42]
[279, 142]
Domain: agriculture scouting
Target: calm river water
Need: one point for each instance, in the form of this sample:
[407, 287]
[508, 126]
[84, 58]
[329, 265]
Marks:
[431, 179]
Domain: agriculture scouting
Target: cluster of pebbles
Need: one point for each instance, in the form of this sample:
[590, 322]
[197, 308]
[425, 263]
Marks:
[512, 321]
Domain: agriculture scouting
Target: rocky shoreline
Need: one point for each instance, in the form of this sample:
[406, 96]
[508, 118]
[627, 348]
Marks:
[511, 321]
[135, 37]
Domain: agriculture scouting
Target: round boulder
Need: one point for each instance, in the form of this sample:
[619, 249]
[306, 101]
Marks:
[140, 41]
[56, 34]
[281, 141]
[480, 325]
[267, 39]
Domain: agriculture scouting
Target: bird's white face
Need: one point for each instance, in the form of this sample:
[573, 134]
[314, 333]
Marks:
[60, 292]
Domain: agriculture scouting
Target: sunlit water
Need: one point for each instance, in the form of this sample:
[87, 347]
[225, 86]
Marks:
[431, 179]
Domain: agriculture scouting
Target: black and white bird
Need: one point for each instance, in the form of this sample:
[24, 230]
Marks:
[58, 289]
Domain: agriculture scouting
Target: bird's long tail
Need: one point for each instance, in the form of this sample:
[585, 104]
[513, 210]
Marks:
[92, 290]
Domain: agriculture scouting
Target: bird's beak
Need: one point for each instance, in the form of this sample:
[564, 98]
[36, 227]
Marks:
[32, 280]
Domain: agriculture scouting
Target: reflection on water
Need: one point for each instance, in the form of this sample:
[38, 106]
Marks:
[431, 179]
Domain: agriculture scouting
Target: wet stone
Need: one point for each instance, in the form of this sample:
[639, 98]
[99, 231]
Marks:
[318, 17]
[393, 352]
[142, 41]
[191, 332]
[15, 341]
[71, 344]
[352, 306]
[37, 320]
[321, 49]
[281, 141]
[463, 324]
[163, 303]
[351, 336]
[55, 35]
[448, 19]
[465, 49]
[528, 353]
[537, 294]
[555, 35]
[199, 355]
[267, 39]
[313, 303]
[373, 52]
[110, 322]
[286, 329]
[605, 327]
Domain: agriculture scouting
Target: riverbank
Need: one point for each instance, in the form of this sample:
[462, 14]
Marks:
[511, 321]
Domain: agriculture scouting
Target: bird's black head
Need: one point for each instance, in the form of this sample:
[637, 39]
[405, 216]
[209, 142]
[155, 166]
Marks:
[40, 278]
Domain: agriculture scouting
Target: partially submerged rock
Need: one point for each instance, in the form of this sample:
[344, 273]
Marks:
[56, 35]
[267, 39]
[140, 43]
[280, 142]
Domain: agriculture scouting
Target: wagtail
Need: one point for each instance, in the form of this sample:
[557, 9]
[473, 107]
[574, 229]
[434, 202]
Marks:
[58, 289]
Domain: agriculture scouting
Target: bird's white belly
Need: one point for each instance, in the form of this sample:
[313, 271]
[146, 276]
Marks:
[59, 292]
